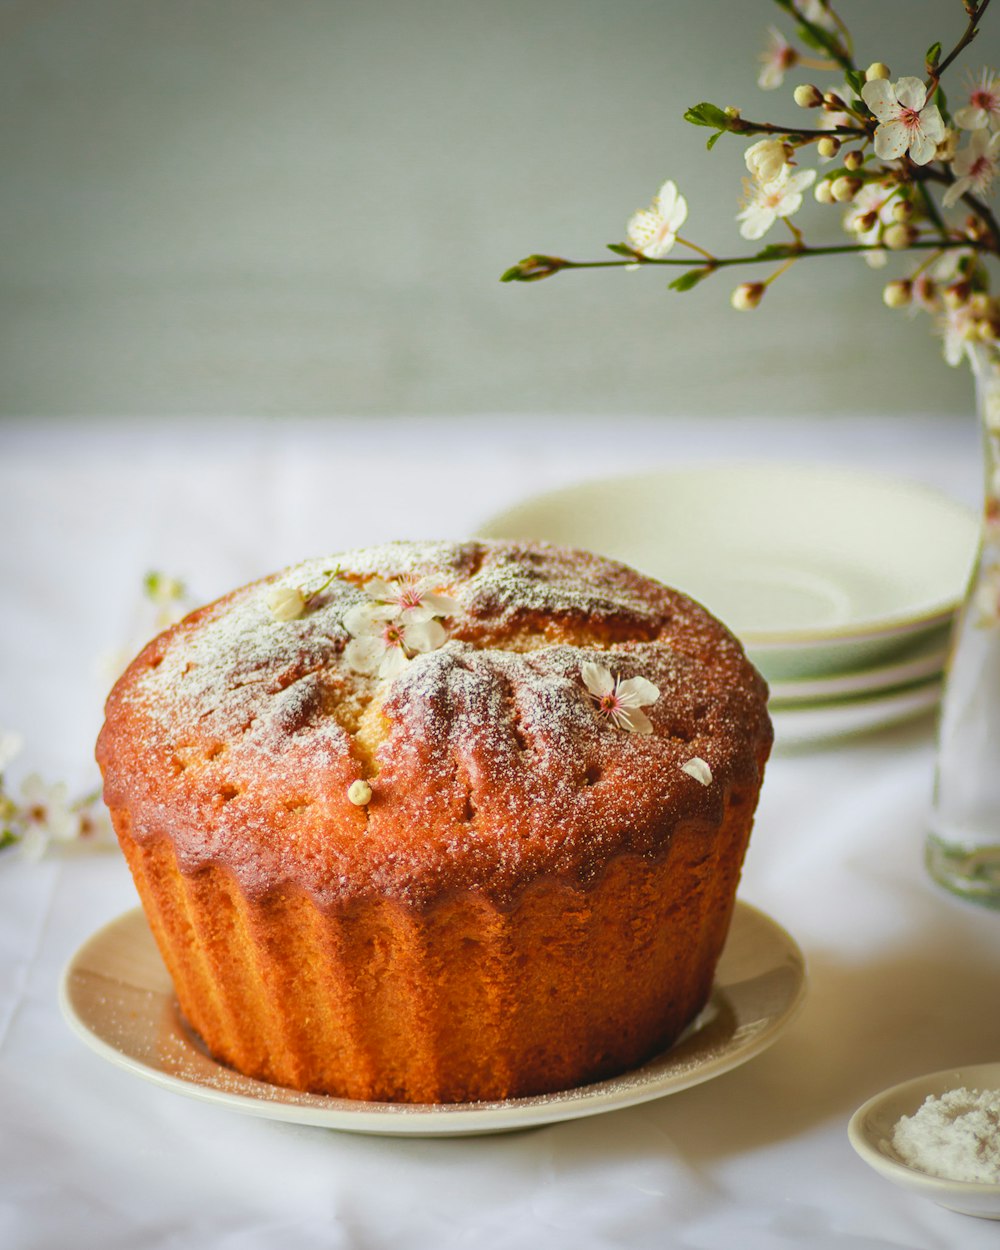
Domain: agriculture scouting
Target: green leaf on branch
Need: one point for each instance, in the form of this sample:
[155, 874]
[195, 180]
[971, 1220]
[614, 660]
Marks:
[941, 101]
[623, 249]
[708, 115]
[933, 56]
[533, 268]
[689, 279]
[855, 81]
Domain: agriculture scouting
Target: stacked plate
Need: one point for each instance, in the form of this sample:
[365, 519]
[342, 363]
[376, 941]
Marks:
[841, 584]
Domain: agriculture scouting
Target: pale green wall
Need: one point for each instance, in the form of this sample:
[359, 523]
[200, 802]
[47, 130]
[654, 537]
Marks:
[302, 206]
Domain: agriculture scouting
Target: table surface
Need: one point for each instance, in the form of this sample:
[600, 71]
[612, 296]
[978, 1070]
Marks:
[902, 978]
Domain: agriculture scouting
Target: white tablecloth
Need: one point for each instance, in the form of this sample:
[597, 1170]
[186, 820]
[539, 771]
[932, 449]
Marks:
[903, 979]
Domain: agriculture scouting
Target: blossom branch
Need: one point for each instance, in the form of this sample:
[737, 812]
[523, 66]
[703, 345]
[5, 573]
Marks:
[975, 12]
[535, 267]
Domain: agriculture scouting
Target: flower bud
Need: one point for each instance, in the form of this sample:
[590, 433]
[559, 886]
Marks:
[902, 210]
[975, 228]
[853, 160]
[897, 294]
[956, 294]
[948, 146]
[833, 103]
[360, 793]
[898, 236]
[988, 331]
[747, 295]
[867, 221]
[766, 159]
[285, 603]
[845, 189]
[828, 147]
[807, 96]
[824, 192]
[877, 69]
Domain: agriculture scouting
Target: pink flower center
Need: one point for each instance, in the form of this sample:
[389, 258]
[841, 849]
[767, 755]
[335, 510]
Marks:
[392, 634]
[409, 597]
[910, 118]
[981, 167]
[984, 99]
[609, 703]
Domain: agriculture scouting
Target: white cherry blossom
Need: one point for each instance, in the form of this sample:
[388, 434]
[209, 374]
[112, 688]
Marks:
[983, 108]
[874, 200]
[620, 701]
[777, 58]
[958, 328]
[907, 123]
[45, 816]
[385, 646]
[653, 231]
[765, 202]
[412, 600]
[975, 166]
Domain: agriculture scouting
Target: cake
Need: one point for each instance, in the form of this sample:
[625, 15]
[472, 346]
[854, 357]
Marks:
[439, 822]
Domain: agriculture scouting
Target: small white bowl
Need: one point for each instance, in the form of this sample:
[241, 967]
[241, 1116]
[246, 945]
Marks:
[870, 1133]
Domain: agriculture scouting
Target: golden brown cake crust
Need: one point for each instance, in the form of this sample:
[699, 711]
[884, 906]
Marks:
[237, 735]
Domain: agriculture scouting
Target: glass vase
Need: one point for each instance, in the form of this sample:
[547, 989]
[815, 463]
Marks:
[963, 843]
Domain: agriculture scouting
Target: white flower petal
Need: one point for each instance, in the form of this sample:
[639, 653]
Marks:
[891, 140]
[440, 605]
[880, 98]
[697, 768]
[596, 678]
[955, 192]
[364, 654]
[10, 747]
[756, 220]
[971, 118]
[424, 636]
[393, 663]
[633, 720]
[382, 591]
[637, 692]
[911, 93]
[798, 182]
[671, 205]
[641, 229]
[365, 618]
[922, 148]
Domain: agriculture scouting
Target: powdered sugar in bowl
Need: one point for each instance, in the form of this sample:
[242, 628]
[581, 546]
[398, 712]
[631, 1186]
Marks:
[937, 1137]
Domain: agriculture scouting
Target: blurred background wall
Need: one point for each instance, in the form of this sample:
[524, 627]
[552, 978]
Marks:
[303, 206]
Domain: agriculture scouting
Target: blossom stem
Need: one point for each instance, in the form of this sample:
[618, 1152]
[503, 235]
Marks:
[769, 256]
[695, 248]
[805, 250]
[975, 12]
[740, 126]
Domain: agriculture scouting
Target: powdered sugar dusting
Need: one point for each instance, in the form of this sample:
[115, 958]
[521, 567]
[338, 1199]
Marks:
[242, 734]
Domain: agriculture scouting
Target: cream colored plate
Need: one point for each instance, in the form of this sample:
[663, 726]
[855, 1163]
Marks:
[818, 570]
[870, 1131]
[115, 993]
